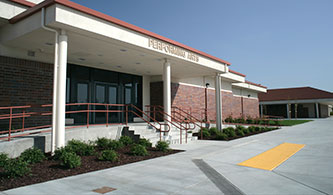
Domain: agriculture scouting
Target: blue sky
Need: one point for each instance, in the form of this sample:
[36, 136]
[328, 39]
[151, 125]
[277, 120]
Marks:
[277, 43]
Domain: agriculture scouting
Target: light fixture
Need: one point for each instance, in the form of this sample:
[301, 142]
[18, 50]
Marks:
[138, 63]
[48, 43]
[118, 66]
[81, 59]
[123, 50]
[100, 55]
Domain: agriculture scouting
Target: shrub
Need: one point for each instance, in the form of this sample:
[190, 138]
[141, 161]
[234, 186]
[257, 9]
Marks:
[80, 148]
[145, 142]
[257, 129]
[240, 131]
[276, 122]
[108, 155]
[16, 168]
[229, 119]
[213, 131]
[271, 122]
[115, 145]
[139, 150]
[251, 129]
[60, 151]
[205, 132]
[162, 146]
[3, 159]
[70, 160]
[32, 155]
[249, 120]
[222, 136]
[246, 131]
[126, 140]
[102, 143]
[230, 132]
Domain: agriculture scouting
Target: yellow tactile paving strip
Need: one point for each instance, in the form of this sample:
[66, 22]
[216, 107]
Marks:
[272, 158]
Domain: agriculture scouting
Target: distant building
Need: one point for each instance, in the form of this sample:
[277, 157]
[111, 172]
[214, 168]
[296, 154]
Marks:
[302, 102]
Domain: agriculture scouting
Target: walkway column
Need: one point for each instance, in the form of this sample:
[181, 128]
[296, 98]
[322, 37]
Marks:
[167, 89]
[218, 99]
[317, 110]
[288, 113]
[61, 92]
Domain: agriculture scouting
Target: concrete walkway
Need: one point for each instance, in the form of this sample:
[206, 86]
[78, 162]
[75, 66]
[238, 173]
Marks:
[210, 167]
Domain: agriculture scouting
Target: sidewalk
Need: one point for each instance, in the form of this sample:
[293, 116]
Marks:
[210, 167]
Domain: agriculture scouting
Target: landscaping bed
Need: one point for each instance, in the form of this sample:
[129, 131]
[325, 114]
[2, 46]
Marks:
[263, 121]
[231, 133]
[51, 168]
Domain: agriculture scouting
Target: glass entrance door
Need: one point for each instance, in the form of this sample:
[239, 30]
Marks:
[106, 94]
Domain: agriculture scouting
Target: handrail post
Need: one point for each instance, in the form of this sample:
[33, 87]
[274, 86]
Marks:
[23, 120]
[10, 123]
[126, 115]
[107, 115]
[181, 133]
[88, 112]
[154, 108]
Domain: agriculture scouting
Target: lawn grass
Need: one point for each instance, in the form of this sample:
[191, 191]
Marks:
[292, 122]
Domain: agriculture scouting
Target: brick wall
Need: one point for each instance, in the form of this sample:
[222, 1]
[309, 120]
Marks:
[192, 98]
[24, 82]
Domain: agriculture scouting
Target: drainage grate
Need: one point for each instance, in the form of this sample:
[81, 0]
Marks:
[104, 190]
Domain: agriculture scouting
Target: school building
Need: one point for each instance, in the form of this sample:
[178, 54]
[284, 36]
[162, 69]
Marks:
[80, 65]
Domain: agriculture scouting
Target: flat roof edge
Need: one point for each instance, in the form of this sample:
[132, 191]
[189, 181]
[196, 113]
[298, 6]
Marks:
[111, 19]
[23, 2]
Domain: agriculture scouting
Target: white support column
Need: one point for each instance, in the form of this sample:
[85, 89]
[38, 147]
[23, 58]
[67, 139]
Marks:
[61, 92]
[317, 110]
[167, 88]
[145, 93]
[288, 112]
[218, 99]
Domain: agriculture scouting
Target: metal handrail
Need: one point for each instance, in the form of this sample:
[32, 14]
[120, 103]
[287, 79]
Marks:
[175, 122]
[23, 114]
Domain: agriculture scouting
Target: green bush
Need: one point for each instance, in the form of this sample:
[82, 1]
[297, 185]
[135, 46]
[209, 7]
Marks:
[115, 145]
[250, 121]
[138, 150]
[108, 155]
[145, 142]
[102, 143]
[60, 151]
[126, 140]
[240, 131]
[70, 160]
[246, 131]
[205, 132]
[80, 148]
[222, 136]
[229, 119]
[276, 122]
[213, 131]
[32, 155]
[16, 168]
[3, 159]
[162, 146]
[257, 129]
[230, 132]
[271, 122]
[251, 129]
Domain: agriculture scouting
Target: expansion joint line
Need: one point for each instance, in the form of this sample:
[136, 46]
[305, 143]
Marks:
[294, 180]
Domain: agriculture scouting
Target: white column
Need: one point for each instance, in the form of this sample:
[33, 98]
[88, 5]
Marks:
[218, 99]
[167, 88]
[317, 110]
[288, 112]
[61, 92]
[145, 94]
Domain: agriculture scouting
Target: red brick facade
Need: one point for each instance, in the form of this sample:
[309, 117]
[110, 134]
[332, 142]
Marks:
[192, 98]
[24, 82]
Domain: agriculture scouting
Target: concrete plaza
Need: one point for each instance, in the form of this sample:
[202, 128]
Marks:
[210, 167]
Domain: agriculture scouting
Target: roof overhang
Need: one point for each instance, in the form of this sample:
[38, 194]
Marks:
[328, 101]
[100, 39]
[250, 86]
[233, 77]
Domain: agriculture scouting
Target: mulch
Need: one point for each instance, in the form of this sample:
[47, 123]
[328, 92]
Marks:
[50, 169]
